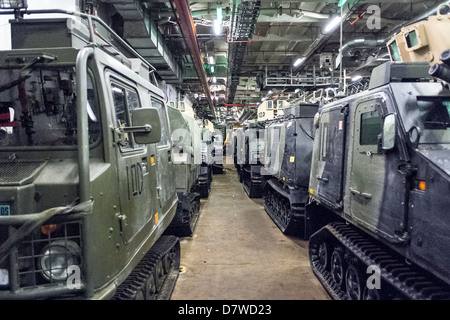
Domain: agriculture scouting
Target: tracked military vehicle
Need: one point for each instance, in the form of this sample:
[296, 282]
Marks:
[250, 152]
[186, 136]
[87, 187]
[379, 181]
[288, 150]
[237, 143]
[206, 173]
[217, 152]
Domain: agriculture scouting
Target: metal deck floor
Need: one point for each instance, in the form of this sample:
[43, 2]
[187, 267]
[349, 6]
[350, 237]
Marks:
[237, 252]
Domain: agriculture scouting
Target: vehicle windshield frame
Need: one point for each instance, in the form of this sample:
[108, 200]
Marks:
[73, 147]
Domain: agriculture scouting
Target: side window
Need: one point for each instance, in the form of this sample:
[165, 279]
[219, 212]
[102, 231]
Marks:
[371, 127]
[125, 100]
[182, 107]
[280, 104]
[164, 124]
[269, 104]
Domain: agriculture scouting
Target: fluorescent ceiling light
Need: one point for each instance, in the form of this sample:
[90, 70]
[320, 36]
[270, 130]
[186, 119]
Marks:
[211, 59]
[341, 3]
[217, 26]
[298, 61]
[219, 14]
[333, 24]
[214, 79]
[212, 69]
[356, 78]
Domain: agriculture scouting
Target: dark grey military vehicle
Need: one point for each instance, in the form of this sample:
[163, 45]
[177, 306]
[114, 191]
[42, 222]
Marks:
[287, 164]
[86, 181]
[380, 176]
[378, 185]
[248, 155]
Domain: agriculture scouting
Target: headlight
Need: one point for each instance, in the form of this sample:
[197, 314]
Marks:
[57, 257]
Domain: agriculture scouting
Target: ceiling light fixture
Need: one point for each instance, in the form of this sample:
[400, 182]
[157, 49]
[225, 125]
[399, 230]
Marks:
[298, 61]
[219, 14]
[217, 27]
[333, 24]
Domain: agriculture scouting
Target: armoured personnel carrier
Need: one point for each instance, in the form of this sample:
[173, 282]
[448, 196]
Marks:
[288, 149]
[252, 148]
[206, 175]
[86, 182]
[217, 152]
[237, 142]
[379, 173]
[186, 151]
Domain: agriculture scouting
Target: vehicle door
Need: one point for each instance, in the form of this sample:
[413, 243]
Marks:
[332, 132]
[164, 163]
[132, 162]
[376, 184]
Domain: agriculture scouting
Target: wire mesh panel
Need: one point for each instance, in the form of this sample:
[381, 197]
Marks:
[13, 4]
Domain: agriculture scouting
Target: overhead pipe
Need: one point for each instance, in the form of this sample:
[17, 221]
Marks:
[188, 30]
[368, 43]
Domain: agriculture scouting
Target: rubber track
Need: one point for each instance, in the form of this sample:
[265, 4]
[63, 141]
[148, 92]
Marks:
[254, 190]
[293, 227]
[204, 187]
[183, 224]
[135, 282]
[408, 280]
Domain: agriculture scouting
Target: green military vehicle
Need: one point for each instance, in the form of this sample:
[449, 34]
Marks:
[186, 138]
[87, 185]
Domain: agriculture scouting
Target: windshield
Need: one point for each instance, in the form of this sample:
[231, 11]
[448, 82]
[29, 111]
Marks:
[434, 119]
[38, 108]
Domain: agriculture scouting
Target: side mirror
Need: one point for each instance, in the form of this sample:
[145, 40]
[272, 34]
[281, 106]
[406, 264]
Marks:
[317, 120]
[389, 129]
[146, 125]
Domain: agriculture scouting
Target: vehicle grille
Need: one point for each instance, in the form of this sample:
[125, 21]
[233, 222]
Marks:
[29, 272]
[14, 172]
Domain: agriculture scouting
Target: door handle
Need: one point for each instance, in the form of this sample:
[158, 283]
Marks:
[366, 195]
[325, 180]
[361, 194]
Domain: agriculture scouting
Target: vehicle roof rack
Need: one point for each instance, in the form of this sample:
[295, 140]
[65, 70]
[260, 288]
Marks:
[91, 24]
